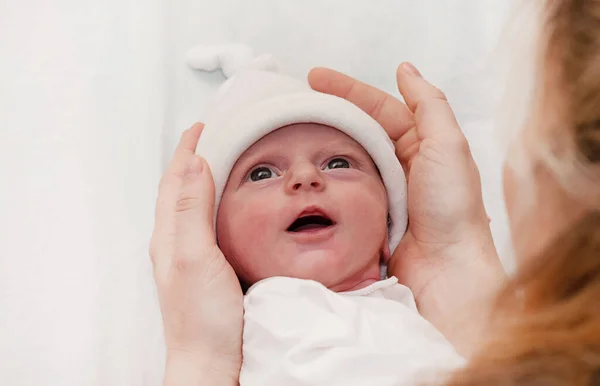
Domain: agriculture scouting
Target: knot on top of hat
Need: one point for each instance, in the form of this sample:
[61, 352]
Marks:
[230, 58]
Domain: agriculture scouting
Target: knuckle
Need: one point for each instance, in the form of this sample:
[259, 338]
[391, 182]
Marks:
[432, 105]
[184, 261]
[350, 91]
[199, 260]
[176, 261]
[375, 110]
[439, 94]
[183, 258]
[461, 144]
[186, 203]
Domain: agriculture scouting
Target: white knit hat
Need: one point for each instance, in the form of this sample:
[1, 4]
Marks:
[256, 100]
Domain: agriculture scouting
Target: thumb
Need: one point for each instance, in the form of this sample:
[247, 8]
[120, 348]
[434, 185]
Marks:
[194, 209]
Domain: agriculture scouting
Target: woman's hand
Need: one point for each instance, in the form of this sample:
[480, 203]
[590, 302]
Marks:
[200, 297]
[447, 256]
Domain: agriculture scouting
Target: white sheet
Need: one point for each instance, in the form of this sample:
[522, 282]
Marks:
[93, 95]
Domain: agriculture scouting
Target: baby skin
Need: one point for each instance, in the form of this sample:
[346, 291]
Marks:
[305, 201]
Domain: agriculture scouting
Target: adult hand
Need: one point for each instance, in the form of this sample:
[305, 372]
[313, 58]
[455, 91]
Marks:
[447, 256]
[200, 297]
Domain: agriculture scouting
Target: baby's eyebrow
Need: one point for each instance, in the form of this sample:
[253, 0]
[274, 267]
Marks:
[253, 156]
[344, 146]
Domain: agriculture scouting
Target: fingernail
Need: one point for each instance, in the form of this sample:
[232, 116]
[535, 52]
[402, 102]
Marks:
[410, 69]
[195, 166]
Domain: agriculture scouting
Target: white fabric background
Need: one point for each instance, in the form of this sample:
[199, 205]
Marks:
[93, 96]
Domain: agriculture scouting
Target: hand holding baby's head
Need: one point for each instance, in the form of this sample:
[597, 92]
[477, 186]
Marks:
[308, 186]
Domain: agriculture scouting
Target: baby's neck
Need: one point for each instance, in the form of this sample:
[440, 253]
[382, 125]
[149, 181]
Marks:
[360, 285]
[359, 281]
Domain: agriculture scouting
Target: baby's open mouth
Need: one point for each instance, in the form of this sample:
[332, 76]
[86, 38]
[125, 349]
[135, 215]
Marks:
[311, 222]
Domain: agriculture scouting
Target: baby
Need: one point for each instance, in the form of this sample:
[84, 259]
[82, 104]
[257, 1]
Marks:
[311, 202]
[305, 201]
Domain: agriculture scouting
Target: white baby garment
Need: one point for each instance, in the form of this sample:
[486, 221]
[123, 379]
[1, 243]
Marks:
[297, 332]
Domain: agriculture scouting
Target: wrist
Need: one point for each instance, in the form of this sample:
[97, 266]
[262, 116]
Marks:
[185, 368]
[459, 300]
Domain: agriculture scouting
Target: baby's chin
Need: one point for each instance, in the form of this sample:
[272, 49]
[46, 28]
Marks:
[333, 270]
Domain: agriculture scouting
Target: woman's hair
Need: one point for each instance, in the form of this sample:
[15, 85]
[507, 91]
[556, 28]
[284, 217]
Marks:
[546, 328]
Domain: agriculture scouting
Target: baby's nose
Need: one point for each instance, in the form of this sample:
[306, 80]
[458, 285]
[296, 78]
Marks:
[305, 177]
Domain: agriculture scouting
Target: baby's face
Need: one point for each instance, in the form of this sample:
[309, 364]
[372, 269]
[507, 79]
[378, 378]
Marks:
[305, 201]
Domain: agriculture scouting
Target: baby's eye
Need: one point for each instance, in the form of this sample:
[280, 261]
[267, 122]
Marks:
[337, 163]
[261, 173]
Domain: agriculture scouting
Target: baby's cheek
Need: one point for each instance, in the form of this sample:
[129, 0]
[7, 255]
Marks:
[369, 205]
[257, 221]
[254, 237]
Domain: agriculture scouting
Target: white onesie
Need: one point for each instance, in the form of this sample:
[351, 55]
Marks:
[298, 332]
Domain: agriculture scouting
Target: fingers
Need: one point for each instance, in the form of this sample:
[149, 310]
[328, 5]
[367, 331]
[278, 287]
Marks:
[184, 230]
[173, 177]
[186, 146]
[432, 112]
[391, 114]
[189, 138]
[414, 88]
[405, 145]
[184, 227]
[194, 208]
